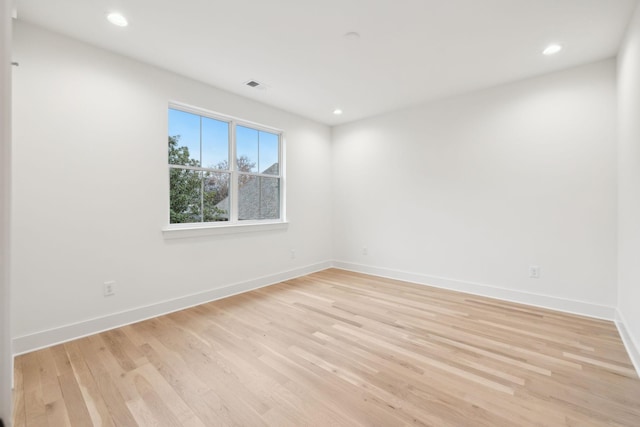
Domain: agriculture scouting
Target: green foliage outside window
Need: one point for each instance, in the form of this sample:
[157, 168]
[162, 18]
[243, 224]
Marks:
[194, 194]
[199, 195]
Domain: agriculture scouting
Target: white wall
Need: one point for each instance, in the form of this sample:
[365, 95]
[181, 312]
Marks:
[5, 178]
[629, 185]
[471, 191]
[90, 188]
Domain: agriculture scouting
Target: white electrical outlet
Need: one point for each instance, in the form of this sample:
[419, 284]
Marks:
[365, 251]
[109, 288]
[534, 272]
[293, 254]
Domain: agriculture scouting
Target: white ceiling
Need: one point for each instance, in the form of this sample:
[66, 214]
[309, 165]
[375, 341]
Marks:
[409, 52]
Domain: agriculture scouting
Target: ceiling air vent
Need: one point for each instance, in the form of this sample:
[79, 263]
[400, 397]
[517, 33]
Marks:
[256, 85]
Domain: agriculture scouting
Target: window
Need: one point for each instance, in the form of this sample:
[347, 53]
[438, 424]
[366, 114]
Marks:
[222, 169]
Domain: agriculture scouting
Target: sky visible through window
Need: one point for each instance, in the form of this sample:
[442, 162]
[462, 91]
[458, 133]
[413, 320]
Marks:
[259, 147]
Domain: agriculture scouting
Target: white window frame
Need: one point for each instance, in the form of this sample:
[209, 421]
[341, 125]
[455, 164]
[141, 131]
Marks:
[234, 225]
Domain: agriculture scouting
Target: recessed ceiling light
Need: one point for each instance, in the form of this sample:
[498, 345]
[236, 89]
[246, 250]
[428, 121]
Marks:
[117, 19]
[352, 35]
[337, 111]
[552, 49]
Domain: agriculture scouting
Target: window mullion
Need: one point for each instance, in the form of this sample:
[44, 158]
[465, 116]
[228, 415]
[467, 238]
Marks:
[233, 178]
[201, 177]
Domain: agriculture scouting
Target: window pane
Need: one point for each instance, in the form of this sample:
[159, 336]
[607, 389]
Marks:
[216, 197]
[258, 198]
[185, 195]
[268, 154]
[184, 138]
[247, 149]
[215, 144]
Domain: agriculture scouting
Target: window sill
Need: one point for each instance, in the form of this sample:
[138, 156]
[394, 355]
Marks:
[201, 230]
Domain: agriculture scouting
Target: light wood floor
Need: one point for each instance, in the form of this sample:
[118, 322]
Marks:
[337, 348]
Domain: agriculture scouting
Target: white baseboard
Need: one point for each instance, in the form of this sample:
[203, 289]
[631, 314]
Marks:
[47, 338]
[57, 335]
[545, 301]
[632, 346]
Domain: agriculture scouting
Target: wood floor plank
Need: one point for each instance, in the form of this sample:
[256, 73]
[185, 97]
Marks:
[187, 385]
[91, 349]
[19, 414]
[338, 348]
[76, 405]
[35, 410]
[95, 403]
